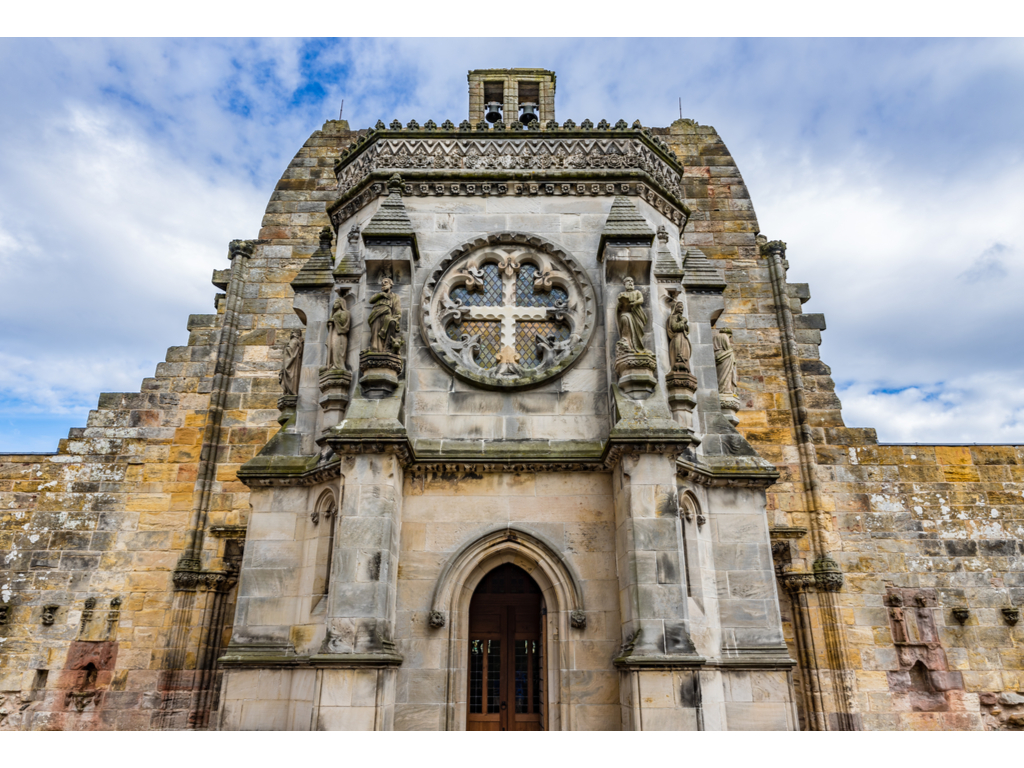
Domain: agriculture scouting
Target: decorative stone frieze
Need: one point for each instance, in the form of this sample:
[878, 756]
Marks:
[594, 162]
[508, 311]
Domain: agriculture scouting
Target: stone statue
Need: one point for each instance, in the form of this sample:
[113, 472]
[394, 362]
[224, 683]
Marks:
[632, 319]
[679, 339]
[385, 320]
[725, 361]
[338, 326]
[291, 368]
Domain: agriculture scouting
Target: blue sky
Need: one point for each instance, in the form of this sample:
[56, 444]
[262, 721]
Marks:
[893, 168]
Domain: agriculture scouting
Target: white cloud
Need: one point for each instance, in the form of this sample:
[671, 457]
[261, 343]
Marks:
[975, 409]
[114, 259]
[892, 168]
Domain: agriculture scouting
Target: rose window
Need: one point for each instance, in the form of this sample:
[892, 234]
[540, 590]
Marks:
[510, 311]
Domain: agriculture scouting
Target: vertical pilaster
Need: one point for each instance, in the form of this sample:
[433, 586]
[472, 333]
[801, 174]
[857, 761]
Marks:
[820, 608]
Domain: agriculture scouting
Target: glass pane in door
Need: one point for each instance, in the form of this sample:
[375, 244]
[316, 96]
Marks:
[493, 676]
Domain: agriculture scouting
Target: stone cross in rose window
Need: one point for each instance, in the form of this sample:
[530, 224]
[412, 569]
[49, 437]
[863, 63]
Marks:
[508, 313]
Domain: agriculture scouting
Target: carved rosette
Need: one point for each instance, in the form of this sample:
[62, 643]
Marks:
[380, 372]
[508, 311]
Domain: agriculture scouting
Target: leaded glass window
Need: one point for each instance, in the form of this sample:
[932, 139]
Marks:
[506, 314]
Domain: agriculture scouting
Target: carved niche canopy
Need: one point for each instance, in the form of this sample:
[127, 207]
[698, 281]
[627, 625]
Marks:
[508, 311]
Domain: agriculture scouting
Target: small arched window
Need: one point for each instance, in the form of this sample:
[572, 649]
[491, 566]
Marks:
[324, 516]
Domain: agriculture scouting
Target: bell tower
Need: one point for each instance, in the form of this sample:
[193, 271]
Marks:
[522, 94]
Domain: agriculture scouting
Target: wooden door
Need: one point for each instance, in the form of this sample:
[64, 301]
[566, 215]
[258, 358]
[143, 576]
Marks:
[506, 653]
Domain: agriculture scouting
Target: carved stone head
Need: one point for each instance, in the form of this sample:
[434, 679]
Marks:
[49, 614]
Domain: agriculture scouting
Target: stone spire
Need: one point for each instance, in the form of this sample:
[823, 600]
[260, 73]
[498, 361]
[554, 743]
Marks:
[391, 225]
[625, 225]
[316, 271]
[699, 274]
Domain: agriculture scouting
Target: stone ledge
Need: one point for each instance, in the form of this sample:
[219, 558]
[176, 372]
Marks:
[660, 661]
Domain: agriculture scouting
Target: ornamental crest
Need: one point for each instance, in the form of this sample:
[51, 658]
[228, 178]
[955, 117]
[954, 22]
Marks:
[508, 311]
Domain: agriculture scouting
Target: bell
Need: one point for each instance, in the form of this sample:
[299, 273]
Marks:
[529, 113]
[492, 111]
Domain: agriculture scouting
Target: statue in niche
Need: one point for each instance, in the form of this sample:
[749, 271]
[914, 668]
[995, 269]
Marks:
[385, 320]
[632, 319]
[725, 361]
[291, 368]
[338, 326]
[679, 349]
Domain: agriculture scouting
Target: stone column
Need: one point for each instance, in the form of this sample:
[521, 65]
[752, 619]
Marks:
[356, 681]
[657, 649]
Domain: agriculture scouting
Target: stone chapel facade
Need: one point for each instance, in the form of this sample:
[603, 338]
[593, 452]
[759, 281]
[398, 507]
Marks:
[507, 425]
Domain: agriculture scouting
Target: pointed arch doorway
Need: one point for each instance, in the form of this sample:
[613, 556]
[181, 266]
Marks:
[506, 650]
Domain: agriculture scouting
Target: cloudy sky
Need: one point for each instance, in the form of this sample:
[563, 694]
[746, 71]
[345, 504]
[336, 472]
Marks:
[893, 168]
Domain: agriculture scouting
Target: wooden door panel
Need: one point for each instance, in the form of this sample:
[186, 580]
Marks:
[505, 655]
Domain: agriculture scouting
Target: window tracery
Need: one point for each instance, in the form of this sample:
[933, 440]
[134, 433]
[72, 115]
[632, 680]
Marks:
[510, 310]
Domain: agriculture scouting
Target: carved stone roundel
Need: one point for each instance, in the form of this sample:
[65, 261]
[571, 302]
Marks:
[508, 311]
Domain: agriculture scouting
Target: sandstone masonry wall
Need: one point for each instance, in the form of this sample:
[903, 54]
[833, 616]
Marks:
[106, 516]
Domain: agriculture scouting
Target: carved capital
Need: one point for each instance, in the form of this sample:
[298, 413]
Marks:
[774, 247]
[437, 619]
[797, 582]
[186, 581]
[828, 576]
[578, 620]
[369, 360]
[244, 248]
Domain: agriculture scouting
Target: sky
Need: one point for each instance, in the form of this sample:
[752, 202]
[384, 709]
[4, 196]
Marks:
[893, 168]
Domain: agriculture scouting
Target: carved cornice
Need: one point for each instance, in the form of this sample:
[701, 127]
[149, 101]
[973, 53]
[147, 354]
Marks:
[563, 162]
[604, 459]
[711, 477]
